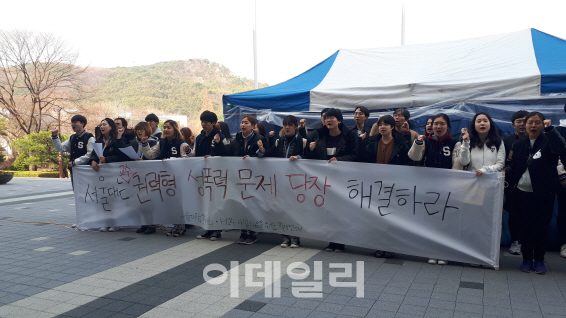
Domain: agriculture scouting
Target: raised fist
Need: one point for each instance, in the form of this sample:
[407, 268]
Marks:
[54, 132]
[312, 145]
[364, 135]
[405, 126]
[216, 138]
[120, 132]
[271, 133]
[144, 139]
[260, 145]
[303, 123]
[420, 137]
[465, 135]
[547, 123]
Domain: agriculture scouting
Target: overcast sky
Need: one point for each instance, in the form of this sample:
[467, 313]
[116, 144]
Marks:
[292, 35]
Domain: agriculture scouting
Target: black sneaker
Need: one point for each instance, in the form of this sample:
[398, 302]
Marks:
[295, 242]
[180, 232]
[331, 246]
[142, 229]
[243, 237]
[206, 235]
[252, 238]
[172, 232]
[215, 236]
[286, 242]
[338, 248]
[150, 229]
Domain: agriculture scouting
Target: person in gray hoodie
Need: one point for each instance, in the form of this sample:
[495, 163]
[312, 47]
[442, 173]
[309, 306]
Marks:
[153, 122]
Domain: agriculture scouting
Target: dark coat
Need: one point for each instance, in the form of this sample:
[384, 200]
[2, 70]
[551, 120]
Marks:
[399, 154]
[541, 159]
[111, 153]
[346, 149]
[236, 147]
[205, 145]
[137, 146]
[438, 153]
[278, 149]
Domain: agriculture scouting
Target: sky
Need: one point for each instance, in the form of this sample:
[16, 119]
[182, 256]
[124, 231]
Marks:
[292, 35]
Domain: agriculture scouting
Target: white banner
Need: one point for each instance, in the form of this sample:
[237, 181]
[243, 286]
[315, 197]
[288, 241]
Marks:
[428, 212]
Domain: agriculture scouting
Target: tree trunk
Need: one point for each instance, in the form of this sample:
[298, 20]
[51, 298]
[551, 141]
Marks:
[32, 168]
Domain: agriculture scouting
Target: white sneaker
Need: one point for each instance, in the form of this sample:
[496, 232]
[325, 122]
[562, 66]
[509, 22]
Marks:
[432, 261]
[74, 226]
[515, 248]
[442, 262]
[114, 228]
[563, 251]
[104, 229]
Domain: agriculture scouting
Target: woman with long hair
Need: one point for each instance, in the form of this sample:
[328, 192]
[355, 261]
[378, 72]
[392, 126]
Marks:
[482, 149]
[171, 145]
[110, 137]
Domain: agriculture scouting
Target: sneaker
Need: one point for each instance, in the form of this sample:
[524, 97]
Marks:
[74, 226]
[215, 236]
[142, 229]
[114, 228]
[527, 266]
[150, 229]
[295, 242]
[179, 232]
[338, 248]
[442, 262]
[206, 235]
[172, 232]
[286, 242]
[432, 261]
[563, 251]
[252, 238]
[243, 238]
[330, 247]
[104, 229]
[383, 254]
[515, 248]
[539, 267]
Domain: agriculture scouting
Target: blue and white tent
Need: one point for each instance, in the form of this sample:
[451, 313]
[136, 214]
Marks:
[499, 74]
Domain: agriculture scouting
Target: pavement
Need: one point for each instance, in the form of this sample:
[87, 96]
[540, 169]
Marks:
[48, 269]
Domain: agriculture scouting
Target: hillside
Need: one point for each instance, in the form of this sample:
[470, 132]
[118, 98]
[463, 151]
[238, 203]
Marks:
[182, 87]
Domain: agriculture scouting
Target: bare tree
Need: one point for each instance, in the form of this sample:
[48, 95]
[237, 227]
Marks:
[38, 77]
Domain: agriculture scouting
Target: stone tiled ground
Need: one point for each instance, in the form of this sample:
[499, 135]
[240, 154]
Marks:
[48, 269]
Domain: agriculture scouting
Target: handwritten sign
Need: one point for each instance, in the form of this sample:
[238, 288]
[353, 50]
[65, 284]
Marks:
[437, 213]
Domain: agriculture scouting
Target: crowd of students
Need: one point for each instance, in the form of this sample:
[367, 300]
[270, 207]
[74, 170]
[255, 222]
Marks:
[531, 159]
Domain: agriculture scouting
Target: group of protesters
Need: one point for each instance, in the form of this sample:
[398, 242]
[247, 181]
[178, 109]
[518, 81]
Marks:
[531, 159]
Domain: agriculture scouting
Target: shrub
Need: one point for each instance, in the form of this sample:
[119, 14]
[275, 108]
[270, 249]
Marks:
[20, 163]
[36, 174]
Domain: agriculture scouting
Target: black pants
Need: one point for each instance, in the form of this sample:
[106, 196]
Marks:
[514, 222]
[561, 221]
[535, 212]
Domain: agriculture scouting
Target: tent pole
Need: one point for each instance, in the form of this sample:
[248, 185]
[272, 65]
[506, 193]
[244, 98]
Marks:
[403, 25]
[255, 45]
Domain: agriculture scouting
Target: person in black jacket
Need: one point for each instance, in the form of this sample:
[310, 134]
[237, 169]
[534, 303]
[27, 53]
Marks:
[532, 172]
[206, 145]
[312, 134]
[245, 145]
[387, 147]
[110, 138]
[291, 145]
[518, 123]
[78, 145]
[561, 196]
[333, 142]
[361, 114]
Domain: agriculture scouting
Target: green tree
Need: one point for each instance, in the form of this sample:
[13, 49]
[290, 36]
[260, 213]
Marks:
[39, 149]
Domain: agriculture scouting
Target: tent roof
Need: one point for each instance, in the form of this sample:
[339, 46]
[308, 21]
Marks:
[518, 65]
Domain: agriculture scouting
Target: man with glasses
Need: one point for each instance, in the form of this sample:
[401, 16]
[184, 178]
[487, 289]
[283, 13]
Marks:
[361, 114]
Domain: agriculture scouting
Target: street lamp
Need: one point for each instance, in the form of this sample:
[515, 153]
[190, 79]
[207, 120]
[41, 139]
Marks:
[60, 154]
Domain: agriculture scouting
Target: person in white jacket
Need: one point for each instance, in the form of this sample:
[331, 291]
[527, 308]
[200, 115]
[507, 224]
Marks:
[482, 149]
